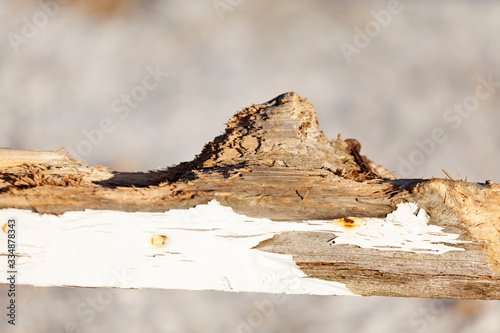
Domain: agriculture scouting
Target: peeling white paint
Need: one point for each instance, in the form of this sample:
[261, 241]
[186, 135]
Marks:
[208, 247]
[405, 229]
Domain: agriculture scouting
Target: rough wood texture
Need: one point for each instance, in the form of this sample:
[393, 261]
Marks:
[273, 161]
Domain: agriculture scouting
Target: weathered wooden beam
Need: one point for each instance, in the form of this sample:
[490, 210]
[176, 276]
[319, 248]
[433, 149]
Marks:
[295, 207]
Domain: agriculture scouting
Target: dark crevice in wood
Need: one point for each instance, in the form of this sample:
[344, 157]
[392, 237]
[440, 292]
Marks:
[272, 161]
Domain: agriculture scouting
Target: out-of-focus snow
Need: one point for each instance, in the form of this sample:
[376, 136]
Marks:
[392, 96]
[79, 68]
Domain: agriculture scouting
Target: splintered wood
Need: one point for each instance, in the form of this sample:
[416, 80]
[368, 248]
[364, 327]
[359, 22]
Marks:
[273, 162]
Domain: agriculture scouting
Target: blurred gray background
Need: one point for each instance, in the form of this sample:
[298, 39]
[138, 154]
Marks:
[405, 78]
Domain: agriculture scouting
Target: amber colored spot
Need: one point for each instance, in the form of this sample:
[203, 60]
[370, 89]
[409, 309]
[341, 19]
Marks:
[5, 227]
[350, 223]
[158, 240]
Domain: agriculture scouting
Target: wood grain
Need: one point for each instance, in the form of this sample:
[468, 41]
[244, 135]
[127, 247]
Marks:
[273, 161]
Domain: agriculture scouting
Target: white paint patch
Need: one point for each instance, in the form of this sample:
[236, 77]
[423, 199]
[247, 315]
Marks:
[405, 229]
[208, 247]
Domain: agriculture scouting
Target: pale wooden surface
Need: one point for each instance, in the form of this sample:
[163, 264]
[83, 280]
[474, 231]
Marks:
[273, 161]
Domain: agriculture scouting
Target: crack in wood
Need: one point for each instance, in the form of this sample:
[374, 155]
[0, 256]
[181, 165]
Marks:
[270, 154]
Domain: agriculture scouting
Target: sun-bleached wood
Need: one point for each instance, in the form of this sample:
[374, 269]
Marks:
[274, 162]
